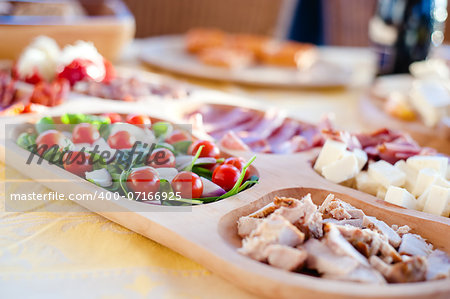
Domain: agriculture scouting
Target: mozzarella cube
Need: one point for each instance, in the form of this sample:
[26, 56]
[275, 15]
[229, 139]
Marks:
[434, 162]
[423, 198]
[331, 152]
[425, 178]
[341, 170]
[411, 174]
[437, 201]
[431, 99]
[366, 184]
[361, 156]
[381, 192]
[386, 174]
[401, 197]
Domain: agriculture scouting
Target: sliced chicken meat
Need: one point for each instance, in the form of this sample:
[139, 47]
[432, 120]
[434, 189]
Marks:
[413, 244]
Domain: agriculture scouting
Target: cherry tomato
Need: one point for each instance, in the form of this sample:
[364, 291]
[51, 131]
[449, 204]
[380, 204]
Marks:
[188, 184]
[226, 176]
[75, 71]
[239, 163]
[121, 140]
[210, 149]
[143, 179]
[113, 117]
[177, 136]
[77, 163]
[138, 119]
[110, 72]
[85, 133]
[50, 138]
[161, 157]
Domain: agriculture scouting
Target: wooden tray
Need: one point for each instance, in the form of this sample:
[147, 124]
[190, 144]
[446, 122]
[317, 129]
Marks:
[109, 25]
[167, 53]
[208, 233]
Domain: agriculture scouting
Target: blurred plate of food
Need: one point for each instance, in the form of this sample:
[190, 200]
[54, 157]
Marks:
[249, 59]
[107, 23]
[45, 76]
[418, 103]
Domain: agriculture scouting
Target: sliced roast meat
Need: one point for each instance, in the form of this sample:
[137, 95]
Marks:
[438, 265]
[410, 270]
[285, 257]
[272, 230]
[380, 226]
[413, 244]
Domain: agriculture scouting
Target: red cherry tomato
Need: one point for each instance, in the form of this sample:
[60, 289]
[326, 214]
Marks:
[50, 138]
[110, 72]
[121, 140]
[138, 119]
[143, 179]
[77, 163]
[210, 149]
[177, 136]
[188, 184]
[85, 133]
[75, 71]
[113, 117]
[34, 78]
[226, 176]
[161, 157]
[239, 163]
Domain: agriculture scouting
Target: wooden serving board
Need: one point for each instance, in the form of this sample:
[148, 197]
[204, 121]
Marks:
[168, 53]
[208, 233]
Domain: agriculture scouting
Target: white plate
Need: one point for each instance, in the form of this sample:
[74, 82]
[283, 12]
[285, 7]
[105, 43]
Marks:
[332, 70]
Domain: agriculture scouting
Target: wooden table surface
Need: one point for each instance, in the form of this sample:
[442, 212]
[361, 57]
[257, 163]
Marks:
[80, 254]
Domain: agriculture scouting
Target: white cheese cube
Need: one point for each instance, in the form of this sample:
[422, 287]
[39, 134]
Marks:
[361, 156]
[431, 99]
[411, 174]
[341, 170]
[434, 162]
[447, 176]
[421, 200]
[401, 197]
[437, 201]
[425, 178]
[331, 152]
[366, 184]
[386, 174]
[381, 192]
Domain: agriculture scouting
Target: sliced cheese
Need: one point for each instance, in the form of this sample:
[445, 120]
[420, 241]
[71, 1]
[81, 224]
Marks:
[366, 184]
[401, 197]
[411, 174]
[431, 99]
[434, 162]
[437, 201]
[381, 192]
[331, 152]
[386, 174]
[341, 170]
[361, 156]
[421, 200]
[425, 178]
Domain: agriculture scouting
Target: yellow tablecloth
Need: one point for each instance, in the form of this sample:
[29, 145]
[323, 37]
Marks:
[81, 254]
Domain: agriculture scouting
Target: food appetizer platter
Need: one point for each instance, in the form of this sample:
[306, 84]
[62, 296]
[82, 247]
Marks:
[274, 234]
[319, 68]
[46, 76]
[418, 104]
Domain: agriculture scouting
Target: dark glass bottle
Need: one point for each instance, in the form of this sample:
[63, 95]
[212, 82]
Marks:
[402, 31]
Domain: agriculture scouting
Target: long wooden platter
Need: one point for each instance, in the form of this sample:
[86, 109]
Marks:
[208, 233]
